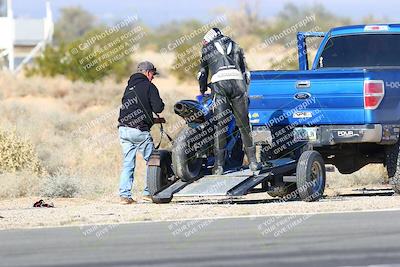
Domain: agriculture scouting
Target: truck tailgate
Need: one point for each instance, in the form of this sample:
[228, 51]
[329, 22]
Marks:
[307, 97]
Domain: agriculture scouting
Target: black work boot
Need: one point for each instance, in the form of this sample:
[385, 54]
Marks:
[251, 156]
[219, 162]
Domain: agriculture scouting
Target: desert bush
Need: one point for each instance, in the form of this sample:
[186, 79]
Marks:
[18, 154]
[370, 175]
[62, 184]
[19, 184]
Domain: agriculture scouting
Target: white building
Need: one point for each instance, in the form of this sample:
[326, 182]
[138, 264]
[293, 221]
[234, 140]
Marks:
[22, 39]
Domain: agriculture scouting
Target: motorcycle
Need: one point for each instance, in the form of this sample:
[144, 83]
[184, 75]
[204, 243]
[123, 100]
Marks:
[192, 154]
[193, 148]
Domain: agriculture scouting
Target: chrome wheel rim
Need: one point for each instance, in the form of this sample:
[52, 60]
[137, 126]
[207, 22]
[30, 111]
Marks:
[317, 176]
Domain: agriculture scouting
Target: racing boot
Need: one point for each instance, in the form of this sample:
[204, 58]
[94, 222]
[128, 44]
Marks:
[251, 156]
[219, 162]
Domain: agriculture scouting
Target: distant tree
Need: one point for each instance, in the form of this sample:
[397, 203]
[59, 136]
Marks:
[73, 23]
[168, 33]
[87, 64]
[184, 39]
[292, 15]
[246, 19]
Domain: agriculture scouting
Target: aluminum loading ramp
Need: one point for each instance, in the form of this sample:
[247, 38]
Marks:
[215, 185]
[234, 183]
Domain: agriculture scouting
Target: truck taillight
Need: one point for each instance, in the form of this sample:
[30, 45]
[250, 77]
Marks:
[374, 91]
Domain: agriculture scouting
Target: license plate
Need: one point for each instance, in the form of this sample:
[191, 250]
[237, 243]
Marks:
[305, 134]
[302, 115]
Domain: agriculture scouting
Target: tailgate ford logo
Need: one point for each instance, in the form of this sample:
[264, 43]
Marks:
[302, 96]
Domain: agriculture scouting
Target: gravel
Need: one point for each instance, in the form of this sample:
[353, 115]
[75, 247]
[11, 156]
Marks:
[18, 213]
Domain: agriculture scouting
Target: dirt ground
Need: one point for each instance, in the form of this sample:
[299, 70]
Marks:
[19, 213]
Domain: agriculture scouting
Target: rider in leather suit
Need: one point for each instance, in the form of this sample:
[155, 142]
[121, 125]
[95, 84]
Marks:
[224, 60]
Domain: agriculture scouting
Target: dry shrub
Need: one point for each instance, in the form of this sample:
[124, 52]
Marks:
[19, 184]
[370, 175]
[83, 95]
[62, 184]
[18, 154]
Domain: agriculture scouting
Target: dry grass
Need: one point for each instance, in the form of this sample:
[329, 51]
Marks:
[369, 176]
[19, 184]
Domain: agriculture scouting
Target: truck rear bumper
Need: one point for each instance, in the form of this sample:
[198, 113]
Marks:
[338, 134]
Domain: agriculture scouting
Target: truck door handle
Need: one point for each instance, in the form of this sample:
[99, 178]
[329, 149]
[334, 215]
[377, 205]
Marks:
[303, 84]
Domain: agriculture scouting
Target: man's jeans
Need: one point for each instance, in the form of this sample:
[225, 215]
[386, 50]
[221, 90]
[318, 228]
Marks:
[133, 140]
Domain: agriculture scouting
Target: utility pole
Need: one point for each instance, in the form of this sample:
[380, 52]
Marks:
[11, 38]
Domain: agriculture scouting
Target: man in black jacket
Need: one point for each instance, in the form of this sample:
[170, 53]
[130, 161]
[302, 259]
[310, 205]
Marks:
[224, 60]
[141, 99]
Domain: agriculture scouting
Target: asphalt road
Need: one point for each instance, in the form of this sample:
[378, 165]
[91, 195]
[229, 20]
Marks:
[349, 239]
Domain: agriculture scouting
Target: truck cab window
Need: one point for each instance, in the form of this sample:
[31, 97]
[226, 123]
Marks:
[362, 50]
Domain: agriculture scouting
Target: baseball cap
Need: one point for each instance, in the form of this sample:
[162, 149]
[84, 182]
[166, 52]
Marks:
[147, 65]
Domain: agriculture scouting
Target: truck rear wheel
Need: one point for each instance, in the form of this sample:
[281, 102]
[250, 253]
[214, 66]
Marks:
[158, 173]
[393, 166]
[310, 176]
[156, 181]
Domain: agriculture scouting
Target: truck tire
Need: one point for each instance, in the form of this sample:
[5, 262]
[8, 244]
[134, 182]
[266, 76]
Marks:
[393, 166]
[186, 165]
[156, 181]
[158, 172]
[310, 176]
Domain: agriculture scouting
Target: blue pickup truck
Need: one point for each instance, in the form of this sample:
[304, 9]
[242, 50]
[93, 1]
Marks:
[346, 105]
